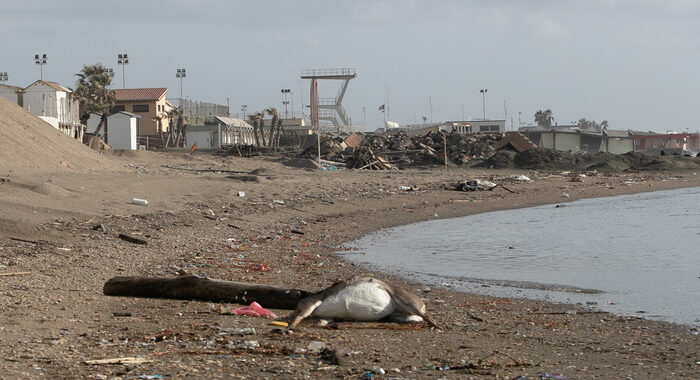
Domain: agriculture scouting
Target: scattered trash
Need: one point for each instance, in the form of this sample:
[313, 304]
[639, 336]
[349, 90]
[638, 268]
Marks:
[405, 188]
[99, 227]
[149, 377]
[295, 231]
[279, 202]
[247, 331]
[140, 202]
[553, 376]
[250, 344]
[564, 195]
[241, 194]
[254, 310]
[316, 347]
[367, 376]
[279, 323]
[522, 178]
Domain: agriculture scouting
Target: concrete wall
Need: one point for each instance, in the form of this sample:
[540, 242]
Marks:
[567, 142]
[203, 139]
[619, 145]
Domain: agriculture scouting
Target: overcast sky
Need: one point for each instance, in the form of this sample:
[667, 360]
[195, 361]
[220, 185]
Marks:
[634, 63]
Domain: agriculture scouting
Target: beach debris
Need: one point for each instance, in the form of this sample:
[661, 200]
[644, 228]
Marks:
[139, 201]
[133, 239]
[10, 274]
[553, 376]
[255, 310]
[123, 360]
[362, 299]
[316, 347]
[564, 195]
[99, 227]
[478, 185]
[241, 194]
[522, 178]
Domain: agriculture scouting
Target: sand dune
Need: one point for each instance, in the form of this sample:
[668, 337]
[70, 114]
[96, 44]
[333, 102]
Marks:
[28, 142]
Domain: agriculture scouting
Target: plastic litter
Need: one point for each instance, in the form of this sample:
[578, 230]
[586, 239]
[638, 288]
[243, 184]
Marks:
[241, 194]
[254, 310]
[139, 201]
[564, 195]
[522, 178]
[553, 376]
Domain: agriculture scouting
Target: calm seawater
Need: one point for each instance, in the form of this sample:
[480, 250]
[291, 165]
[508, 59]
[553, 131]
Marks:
[632, 254]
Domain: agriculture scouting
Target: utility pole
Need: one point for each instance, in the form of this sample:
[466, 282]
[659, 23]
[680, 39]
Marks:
[430, 104]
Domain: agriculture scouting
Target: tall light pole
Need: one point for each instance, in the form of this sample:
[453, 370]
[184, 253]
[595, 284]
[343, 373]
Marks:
[483, 100]
[243, 108]
[228, 107]
[181, 73]
[123, 59]
[3, 77]
[110, 72]
[285, 91]
[41, 61]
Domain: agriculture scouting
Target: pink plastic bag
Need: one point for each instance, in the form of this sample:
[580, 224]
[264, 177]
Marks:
[254, 310]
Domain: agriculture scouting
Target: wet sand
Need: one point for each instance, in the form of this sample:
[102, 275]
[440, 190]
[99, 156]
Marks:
[55, 316]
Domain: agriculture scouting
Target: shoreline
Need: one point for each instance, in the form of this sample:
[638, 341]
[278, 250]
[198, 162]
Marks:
[491, 285]
[197, 222]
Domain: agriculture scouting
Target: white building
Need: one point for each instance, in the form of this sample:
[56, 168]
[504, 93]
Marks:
[220, 131]
[54, 104]
[120, 132]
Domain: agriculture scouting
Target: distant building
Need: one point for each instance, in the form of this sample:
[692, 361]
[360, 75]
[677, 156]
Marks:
[220, 131]
[571, 138]
[54, 104]
[13, 93]
[149, 104]
[668, 143]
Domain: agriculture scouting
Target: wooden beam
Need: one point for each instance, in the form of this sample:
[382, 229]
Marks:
[191, 287]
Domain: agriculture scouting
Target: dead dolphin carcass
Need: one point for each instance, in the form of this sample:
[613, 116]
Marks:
[362, 299]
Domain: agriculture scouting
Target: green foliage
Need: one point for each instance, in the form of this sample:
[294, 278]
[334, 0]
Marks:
[544, 118]
[92, 91]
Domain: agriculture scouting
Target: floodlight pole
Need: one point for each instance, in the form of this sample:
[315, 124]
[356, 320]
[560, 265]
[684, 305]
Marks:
[41, 61]
[123, 59]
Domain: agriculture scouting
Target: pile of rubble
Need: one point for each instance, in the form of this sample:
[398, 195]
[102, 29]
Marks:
[401, 150]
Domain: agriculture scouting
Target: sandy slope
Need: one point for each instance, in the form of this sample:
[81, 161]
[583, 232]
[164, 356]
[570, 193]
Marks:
[28, 142]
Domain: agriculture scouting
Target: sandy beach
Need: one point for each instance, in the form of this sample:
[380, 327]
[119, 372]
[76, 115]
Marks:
[59, 244]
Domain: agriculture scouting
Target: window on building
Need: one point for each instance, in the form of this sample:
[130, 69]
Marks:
[118, 108]
[140, 107]
[488, 128]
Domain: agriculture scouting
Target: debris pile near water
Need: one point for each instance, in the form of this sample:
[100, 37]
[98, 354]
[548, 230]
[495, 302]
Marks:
[400, 150]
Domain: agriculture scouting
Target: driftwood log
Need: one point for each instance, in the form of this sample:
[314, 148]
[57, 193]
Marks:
[191, 287]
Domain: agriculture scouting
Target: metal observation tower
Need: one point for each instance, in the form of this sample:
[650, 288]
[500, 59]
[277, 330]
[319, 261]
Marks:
[329, 109]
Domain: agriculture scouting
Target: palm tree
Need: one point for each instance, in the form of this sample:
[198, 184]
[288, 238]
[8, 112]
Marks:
[272, 111]
[256, 119]
[93, 94]
[544, 118]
